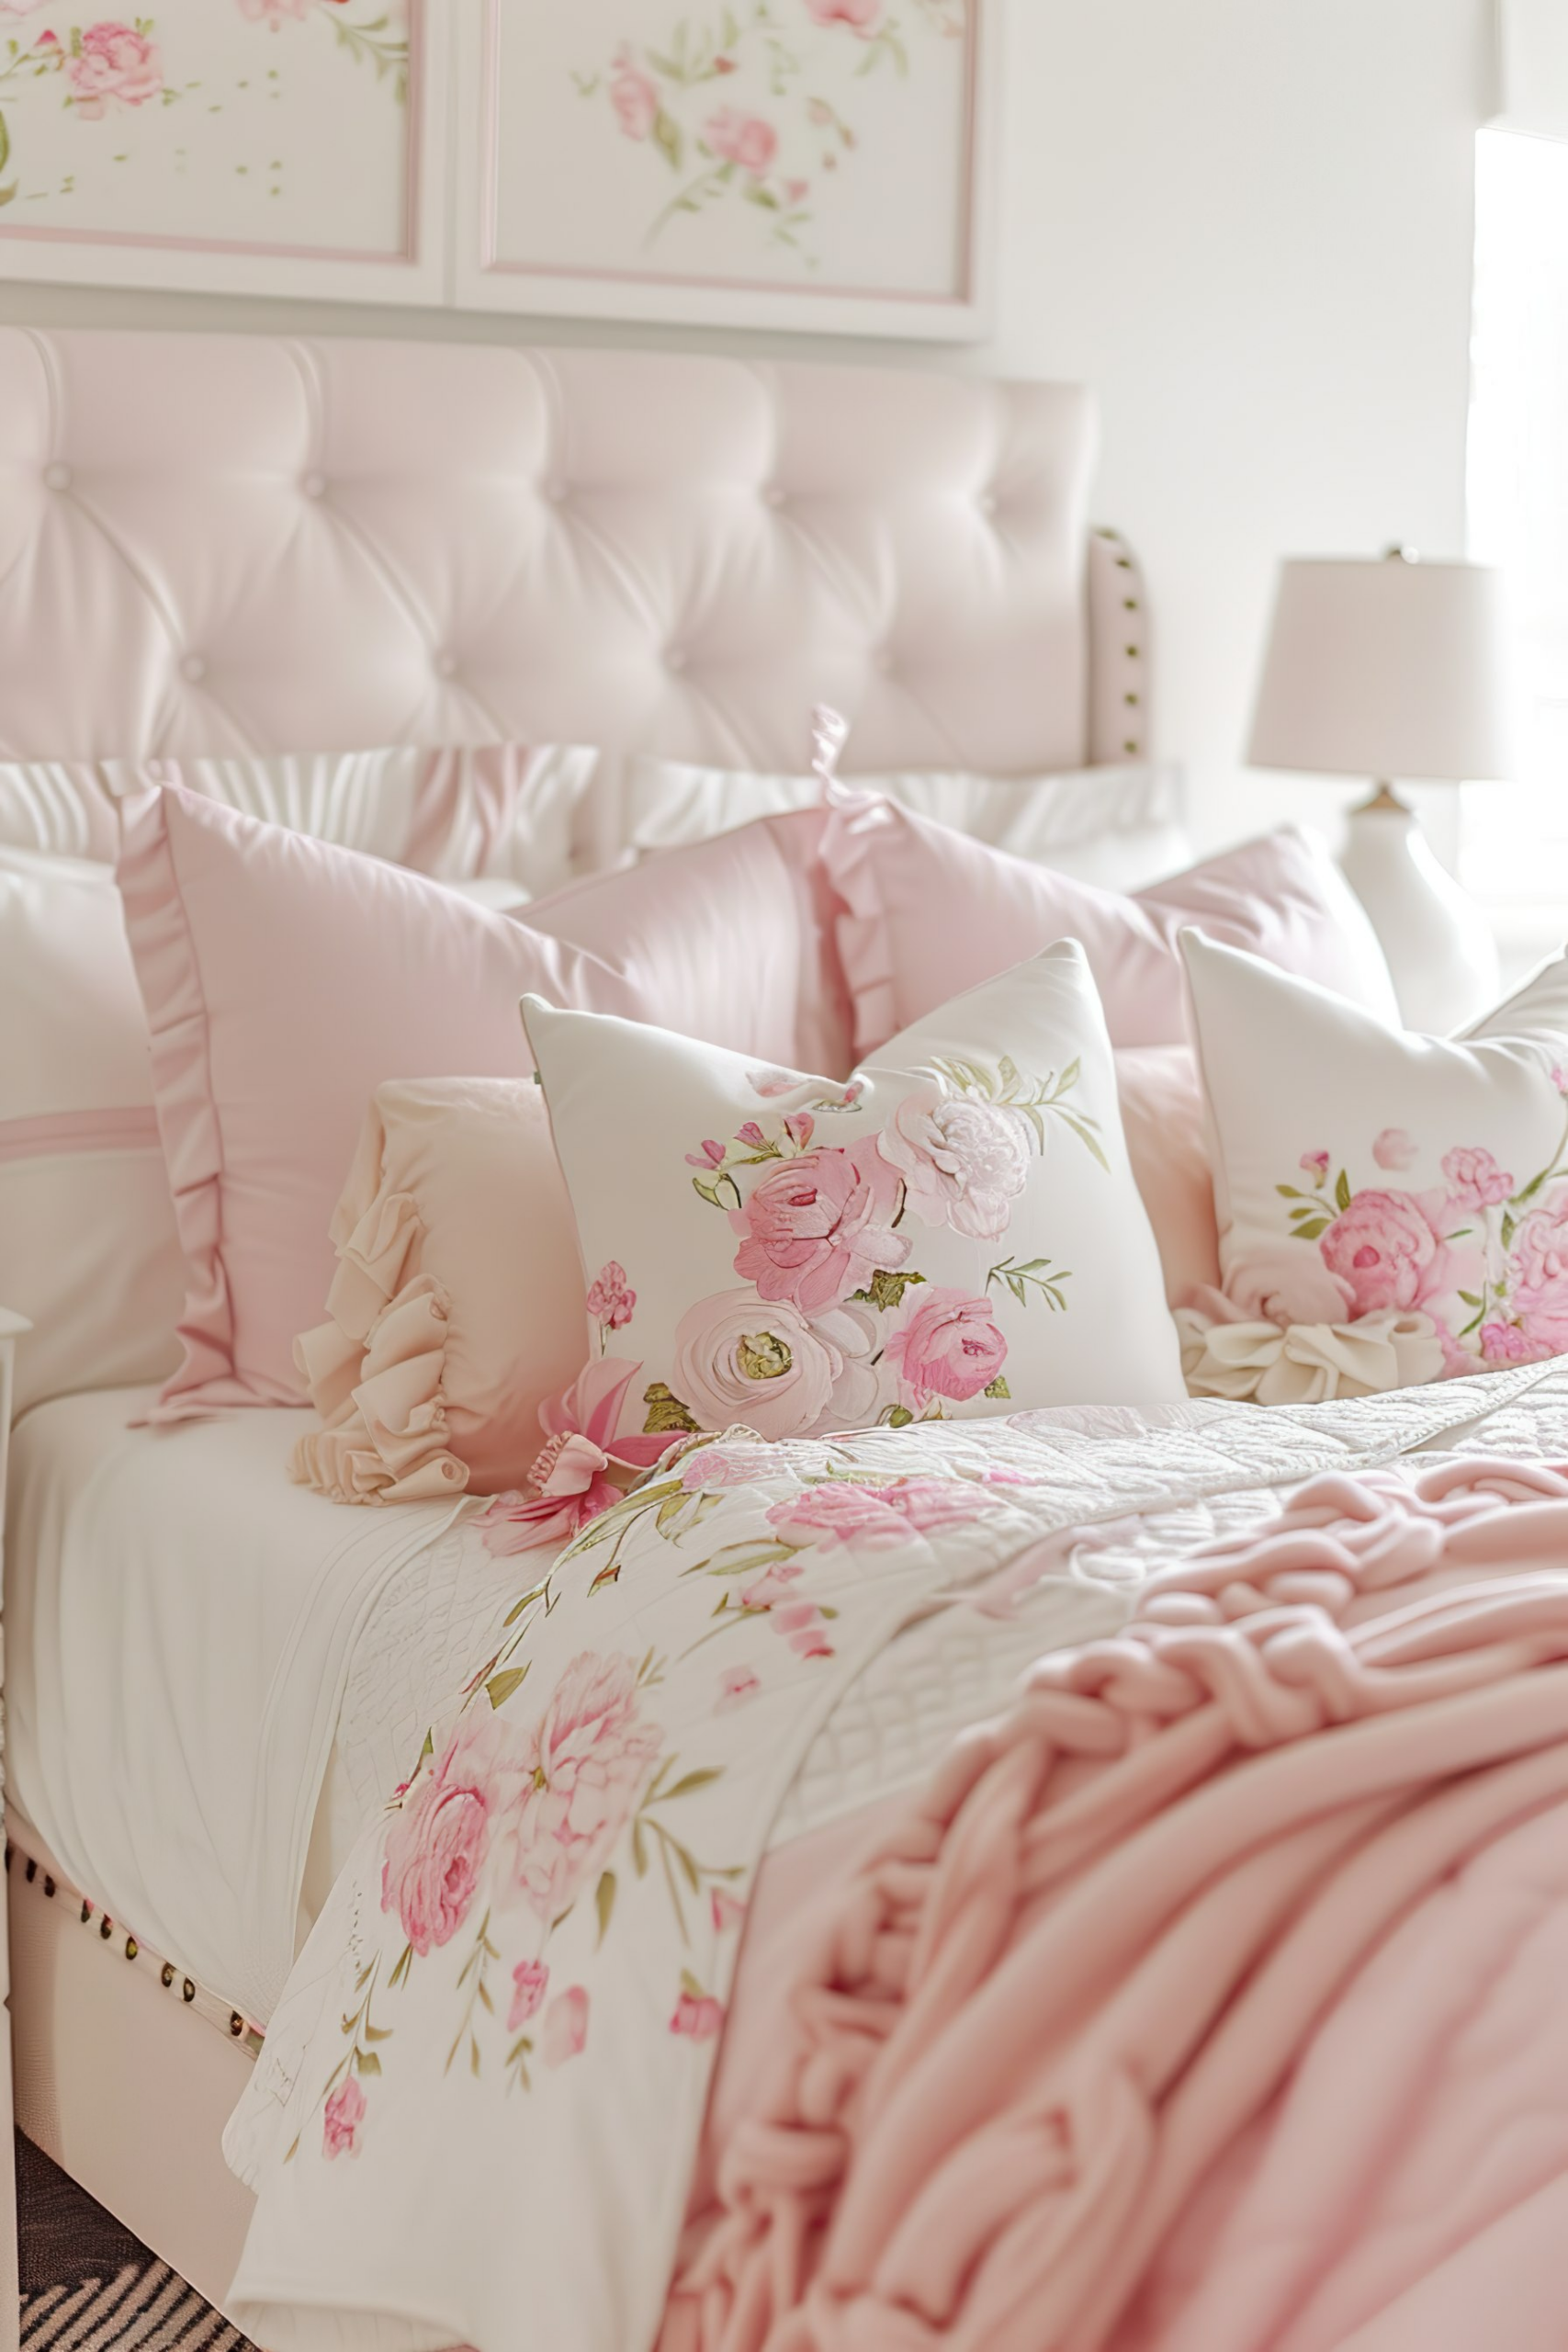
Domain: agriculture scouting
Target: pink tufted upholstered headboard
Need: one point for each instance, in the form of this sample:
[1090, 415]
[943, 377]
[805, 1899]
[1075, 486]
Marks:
[224, 543]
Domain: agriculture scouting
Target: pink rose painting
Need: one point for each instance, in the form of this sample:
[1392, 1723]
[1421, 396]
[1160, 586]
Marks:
[582, 1765]
[1474, 1179]
[948, 1346]
[741, 1358]
[530, 1980]
[116, 65]
[820, 1226]
[565, 2031]
[747, 139]
[340, 2120]
[964, 1161]
[438, 1840]
[1539, 1264]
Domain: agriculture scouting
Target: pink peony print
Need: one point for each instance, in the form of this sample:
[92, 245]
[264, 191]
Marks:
[1504, 1344]
[611, 1297]
[728, 1465]
[530, 1980]
[1386, 1252]
[963, 1162]
[747, 139]
[634, 96]
[564, 2033]
[1474, 1179]
[728, 1910]
[116, 65]
[840, 1512]
[1538, 1265]
[819, 1226]
[437, 1841]
[697, 2015]
[739, 1359]
[1394, 1150]
[737, 1684]
[582, 1764]
[949, 1346]
[1284, 1286]
[340, 2120]
[1315, 1164]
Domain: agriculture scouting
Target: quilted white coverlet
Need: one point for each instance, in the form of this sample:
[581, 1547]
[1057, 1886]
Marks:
[478, 2101]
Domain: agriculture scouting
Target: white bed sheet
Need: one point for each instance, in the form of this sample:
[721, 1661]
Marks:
[179, 1619]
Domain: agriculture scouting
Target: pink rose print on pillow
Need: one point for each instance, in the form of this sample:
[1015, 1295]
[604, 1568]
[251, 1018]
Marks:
[1386, 1252]
[530, 1980]
[819, 1226]
[964, 1161]
[697, 2015]
[565, 2031]
[1504, 1344]
[438, 1842]
[1474, 1179]
[743, 1358]
[340, 2120]
[634, 96]
[611, 1299]
[1394, 1150]
[582, 1764]
[1538, 1265]
[949, 1346]
[116, 65]
[747, 139]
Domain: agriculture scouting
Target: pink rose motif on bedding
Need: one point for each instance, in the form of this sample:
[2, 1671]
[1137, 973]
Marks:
[741, 1358]
[747, 140]
[112, 65]
[439, 1838]
[697, 2015]
[1483, 1256]
[737, 1684]
[820, 1226]
[564, 2033]
[341, 2118]
[634, 96]
[611, 1300]
[964, 1161]
[838, 1511]
[1394, 1150]
[949, 1347]
[530, 1981]
[582, 1765]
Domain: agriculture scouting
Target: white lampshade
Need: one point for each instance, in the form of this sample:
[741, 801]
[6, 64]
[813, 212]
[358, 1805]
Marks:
[1387, 668]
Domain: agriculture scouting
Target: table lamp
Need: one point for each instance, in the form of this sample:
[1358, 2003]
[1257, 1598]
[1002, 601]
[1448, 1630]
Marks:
[1396, 670]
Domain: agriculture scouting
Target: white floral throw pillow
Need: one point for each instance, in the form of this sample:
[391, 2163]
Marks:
[1391, 1207]
[956, 1230]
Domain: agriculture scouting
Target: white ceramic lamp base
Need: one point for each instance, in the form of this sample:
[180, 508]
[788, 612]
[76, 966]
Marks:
[1442, 954]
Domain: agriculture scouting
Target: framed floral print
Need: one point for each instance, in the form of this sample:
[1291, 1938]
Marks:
[773, 163]
[256, 146]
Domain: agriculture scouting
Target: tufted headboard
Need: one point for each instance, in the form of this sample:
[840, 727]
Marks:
[224, 543]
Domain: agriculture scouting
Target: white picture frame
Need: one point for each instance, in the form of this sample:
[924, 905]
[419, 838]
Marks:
[114, 147]
[571, 178]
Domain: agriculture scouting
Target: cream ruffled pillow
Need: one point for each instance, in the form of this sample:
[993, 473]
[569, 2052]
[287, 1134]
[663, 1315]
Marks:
[457, 1307]
[954, 1231]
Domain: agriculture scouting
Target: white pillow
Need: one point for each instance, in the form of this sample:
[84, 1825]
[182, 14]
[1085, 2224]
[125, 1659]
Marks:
[1118, 826]
[88, 1250]
[956, 1230]
[1406, 1194]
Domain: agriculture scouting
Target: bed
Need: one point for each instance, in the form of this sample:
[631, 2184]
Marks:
[1101, 1787]
[227, 546]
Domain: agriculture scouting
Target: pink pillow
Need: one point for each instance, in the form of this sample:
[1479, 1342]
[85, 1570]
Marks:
[932, 914]
[457, 1306]
[284, 980]
[732, 938]
[1164, 1120]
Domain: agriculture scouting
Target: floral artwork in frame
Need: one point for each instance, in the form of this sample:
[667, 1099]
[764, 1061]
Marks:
[216, 128]
[798, 162]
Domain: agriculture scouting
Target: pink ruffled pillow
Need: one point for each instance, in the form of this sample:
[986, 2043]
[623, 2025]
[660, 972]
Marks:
[284, 980]
[457, 1306]
[931, 914]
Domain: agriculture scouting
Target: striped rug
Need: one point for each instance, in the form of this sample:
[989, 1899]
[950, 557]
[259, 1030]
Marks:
[89, 2286]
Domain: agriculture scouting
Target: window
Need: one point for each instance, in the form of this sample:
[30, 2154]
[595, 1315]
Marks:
[1514, 846]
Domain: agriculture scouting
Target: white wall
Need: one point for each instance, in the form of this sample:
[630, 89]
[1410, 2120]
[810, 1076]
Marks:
[1247, 224]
